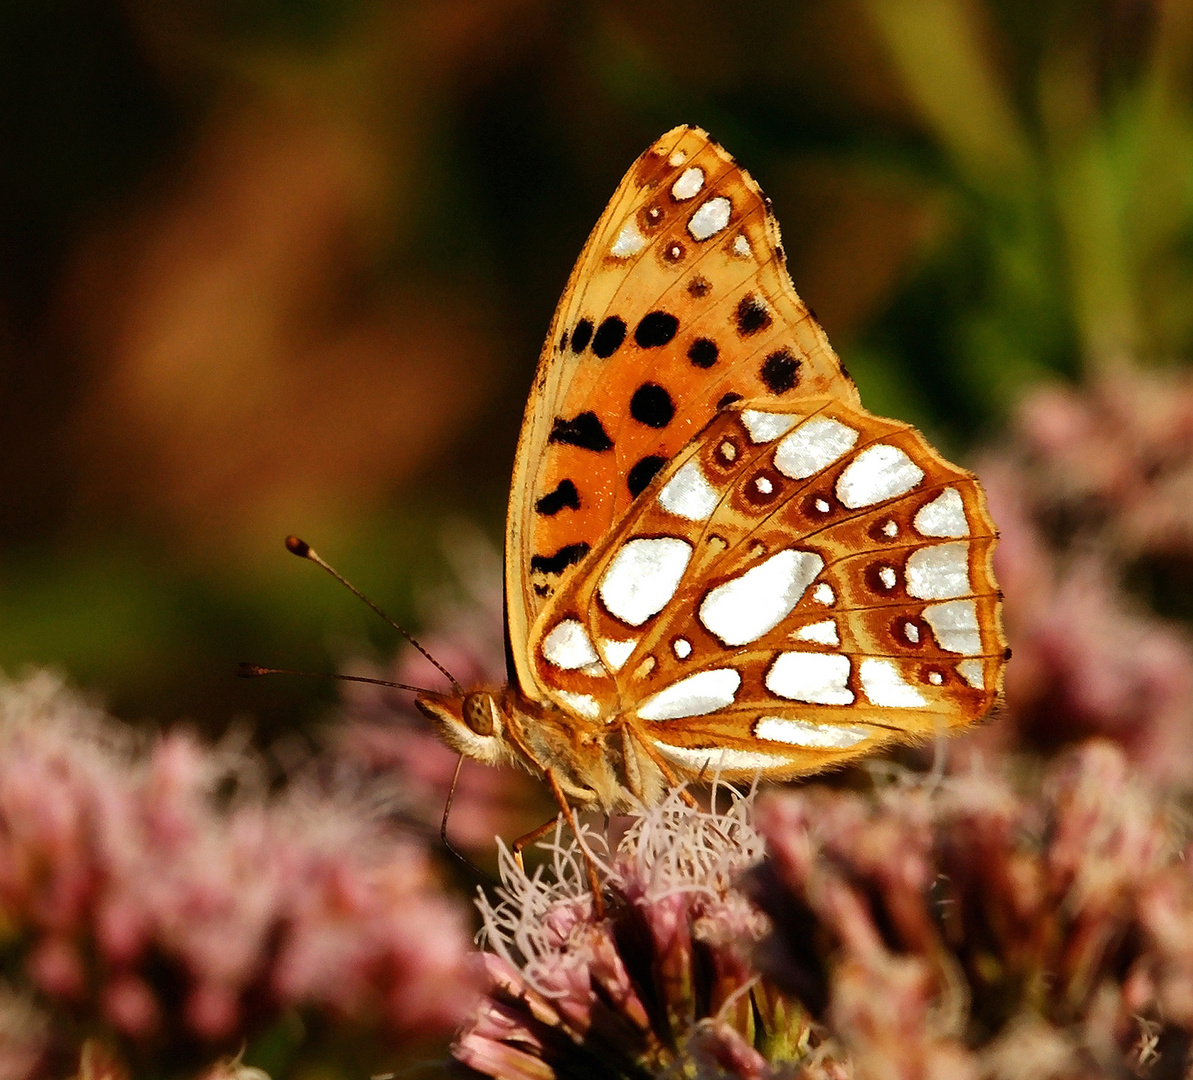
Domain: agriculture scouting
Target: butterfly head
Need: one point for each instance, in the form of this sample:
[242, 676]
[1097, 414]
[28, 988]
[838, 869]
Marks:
[472, 723]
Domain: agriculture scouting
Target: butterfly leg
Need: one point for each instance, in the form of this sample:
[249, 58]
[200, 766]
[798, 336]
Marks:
[524, 842]
[594, 881]
[569, 812]
[668, 774]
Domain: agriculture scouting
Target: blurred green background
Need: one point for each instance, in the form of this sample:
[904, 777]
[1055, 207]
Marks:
[286, 267]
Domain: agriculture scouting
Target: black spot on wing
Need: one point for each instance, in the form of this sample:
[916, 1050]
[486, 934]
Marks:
[582, 335]
[673, 252]
[881, 578]
[640, 476]
[609, 336]
[763, 488]
[909, 633]
[566, 556]
[585, 431]
[780, 371]
[703, 353]
[699, 287]
[751, 315]
[728, 399]
[651, 218]
[565, 494]
[818, 504]
[652, 405]
[655, 330]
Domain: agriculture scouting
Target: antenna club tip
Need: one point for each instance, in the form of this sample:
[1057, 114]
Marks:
[297, 546]
[249, 671]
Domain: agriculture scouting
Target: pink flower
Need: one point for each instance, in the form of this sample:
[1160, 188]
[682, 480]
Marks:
[1092, 495]
[662, 986]
[157, 891]
[974, 931]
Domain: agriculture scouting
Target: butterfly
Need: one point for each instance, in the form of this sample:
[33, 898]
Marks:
[716, 559]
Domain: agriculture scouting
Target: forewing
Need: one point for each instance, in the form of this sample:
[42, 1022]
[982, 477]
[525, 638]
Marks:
[679, 303]
[804, 582]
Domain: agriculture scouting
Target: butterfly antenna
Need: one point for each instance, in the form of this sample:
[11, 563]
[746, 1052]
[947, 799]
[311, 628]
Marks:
[254, 671]
[304, 551]
[447, 809]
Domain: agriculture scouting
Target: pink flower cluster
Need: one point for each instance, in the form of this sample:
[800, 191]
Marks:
[973, 931]
[158, 891]
[1092, 494]
[976, 927]
[664, 985]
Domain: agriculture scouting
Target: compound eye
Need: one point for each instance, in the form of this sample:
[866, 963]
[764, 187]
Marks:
[478, 713]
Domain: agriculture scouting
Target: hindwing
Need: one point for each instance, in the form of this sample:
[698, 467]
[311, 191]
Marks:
[802, 583]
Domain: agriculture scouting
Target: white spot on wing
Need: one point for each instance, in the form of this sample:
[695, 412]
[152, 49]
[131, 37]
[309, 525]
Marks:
[818, 678]
[890, 529]
[629, 241]
[935, 678]
[643, 576]
[678, 158]
[746, 607]
[618, 652]
[709, 759]
[888, 577]
[682, 648]
[583, 704]
[939, 572]
[689, 183]
[971, 671]
[878, 473]
[822, 633]
[943, 516]
[911, 632]
[698, 694]
[741, 247]
[688, 494]
[802, 733]
[955, 626]
[710, 219]
[823, 594]
[883, 684]
[568, 646]
[812, 446]
[765, 426]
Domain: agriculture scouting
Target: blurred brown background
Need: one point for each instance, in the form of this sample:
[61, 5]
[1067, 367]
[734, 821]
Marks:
[285, 267]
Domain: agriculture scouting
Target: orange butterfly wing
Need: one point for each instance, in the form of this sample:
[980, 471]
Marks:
[679, 303]
[801, 584]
